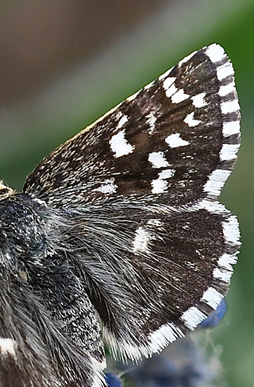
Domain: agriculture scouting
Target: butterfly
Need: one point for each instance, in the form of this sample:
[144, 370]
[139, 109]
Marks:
[117, 236]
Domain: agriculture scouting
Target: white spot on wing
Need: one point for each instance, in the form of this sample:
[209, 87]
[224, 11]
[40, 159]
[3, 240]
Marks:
[215, 52]
[151, 120]
[211, 206]
[226, 260]
[190, 121]
[167, 333]
[174, 141]
[192, 317]
[179, 96]
[198, 100]
[167, 173]
[229, 107]
[108, 186]
[230, 128]
[225, 71]
[229, 151]
[160, 185]
[122, 121]
[158, 160]
[169, 87]
[132, 351]
[212, 297]
[227, 89]
[124, 346]
[141, 240]
[222, 275]
[216, 181]
[231, 230]
[119, 145]
[169, 81]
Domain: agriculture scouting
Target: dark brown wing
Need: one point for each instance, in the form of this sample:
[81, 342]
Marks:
[173, 142]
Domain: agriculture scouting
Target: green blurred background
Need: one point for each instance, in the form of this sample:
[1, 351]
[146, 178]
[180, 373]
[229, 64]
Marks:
[65, 63]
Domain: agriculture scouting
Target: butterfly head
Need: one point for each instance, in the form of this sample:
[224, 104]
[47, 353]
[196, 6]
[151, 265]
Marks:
[5, 191]
[22, 235]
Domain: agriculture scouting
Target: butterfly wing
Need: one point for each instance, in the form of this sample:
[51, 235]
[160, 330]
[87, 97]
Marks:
[173, 142]
[152, 245]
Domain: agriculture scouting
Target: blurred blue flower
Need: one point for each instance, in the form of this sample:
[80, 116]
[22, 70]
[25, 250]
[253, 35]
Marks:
[112, 380]
[167, 370]
[215, 318]
[182, 364]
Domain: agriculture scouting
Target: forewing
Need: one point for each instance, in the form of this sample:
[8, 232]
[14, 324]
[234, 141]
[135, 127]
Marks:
[175, 141]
